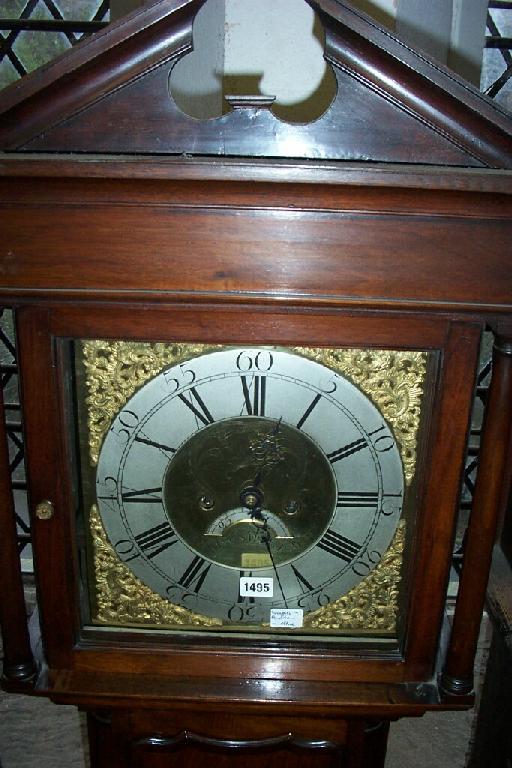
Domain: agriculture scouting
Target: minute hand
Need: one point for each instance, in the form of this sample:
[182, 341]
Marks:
[257, 514]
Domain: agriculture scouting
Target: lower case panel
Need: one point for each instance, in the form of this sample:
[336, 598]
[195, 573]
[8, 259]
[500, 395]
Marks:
[148, 739]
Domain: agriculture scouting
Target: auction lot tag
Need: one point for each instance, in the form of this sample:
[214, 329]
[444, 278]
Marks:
[251, 586]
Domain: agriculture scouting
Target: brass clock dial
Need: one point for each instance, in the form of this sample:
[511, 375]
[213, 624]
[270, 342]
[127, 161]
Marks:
[249, 480]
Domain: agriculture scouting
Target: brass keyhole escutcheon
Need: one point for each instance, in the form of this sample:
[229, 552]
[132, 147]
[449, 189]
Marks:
[45, 510]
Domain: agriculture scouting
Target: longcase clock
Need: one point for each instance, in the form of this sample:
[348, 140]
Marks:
[247, 359]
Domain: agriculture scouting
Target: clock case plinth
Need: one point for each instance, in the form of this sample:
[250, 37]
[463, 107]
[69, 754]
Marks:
[316, 248]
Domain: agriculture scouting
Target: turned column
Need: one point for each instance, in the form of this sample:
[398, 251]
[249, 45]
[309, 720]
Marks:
[457, 677]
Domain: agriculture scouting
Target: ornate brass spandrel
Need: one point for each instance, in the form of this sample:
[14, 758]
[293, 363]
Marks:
[372, 604]
[115, 370]
[393, 380]
[123, 600]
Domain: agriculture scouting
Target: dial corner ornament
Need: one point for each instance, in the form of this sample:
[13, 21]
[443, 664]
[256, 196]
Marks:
[249, 480]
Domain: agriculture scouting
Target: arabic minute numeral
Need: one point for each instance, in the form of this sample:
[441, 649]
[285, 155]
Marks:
[261, 361]
[124, 425]
[184, 377]
[391, 504]
[307, 601]
[322, 598]
[238, 612]
[382, 443]
[108, 487]
[366, 561]
[125, 547]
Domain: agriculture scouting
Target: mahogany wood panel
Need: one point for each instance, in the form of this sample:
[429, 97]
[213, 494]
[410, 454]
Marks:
[158, 752]
[220, 725]
[279, 253]
[373, 177]
[492, 734]
[383, 39]
[441, 491]
[364, 125]
[250, 695]
[153, 739]
[226, 186]
[53, 545]
[258, 661]
[191, 756]
[107, 748]
[238, 323]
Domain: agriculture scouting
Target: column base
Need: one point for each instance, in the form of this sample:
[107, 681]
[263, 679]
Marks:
[19, 673]
[456, 686]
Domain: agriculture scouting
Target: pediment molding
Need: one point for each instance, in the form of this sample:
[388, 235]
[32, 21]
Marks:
[110, 95]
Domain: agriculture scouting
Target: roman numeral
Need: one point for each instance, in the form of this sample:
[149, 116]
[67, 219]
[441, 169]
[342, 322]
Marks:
[156, 539]
[338, 545]
[143, 496]
[308, 410]
[347, 450]
[357, 499]
[303, 582]
[255, 399]
[198, 407]
[195, 574]
[161, 446]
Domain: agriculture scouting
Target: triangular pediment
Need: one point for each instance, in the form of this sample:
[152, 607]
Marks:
[111, 95]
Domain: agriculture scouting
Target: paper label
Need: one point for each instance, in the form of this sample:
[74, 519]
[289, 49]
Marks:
[290, 618]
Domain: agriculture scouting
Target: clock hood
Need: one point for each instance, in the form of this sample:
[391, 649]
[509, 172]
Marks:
[110, 95]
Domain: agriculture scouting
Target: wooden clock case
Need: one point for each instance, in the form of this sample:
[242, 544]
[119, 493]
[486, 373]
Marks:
[387, 222]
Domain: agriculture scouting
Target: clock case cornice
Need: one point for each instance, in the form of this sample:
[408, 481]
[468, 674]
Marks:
[392, 104]
[352, 213]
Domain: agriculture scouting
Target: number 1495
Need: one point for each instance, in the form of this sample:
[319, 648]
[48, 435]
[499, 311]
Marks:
[252, 586]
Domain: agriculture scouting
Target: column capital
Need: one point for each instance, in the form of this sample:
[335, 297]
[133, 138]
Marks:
[503, 345]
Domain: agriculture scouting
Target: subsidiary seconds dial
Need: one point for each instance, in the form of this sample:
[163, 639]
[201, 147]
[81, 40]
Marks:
[255, 466]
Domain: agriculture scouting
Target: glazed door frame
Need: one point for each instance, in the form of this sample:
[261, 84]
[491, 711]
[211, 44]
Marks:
[48, 448]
